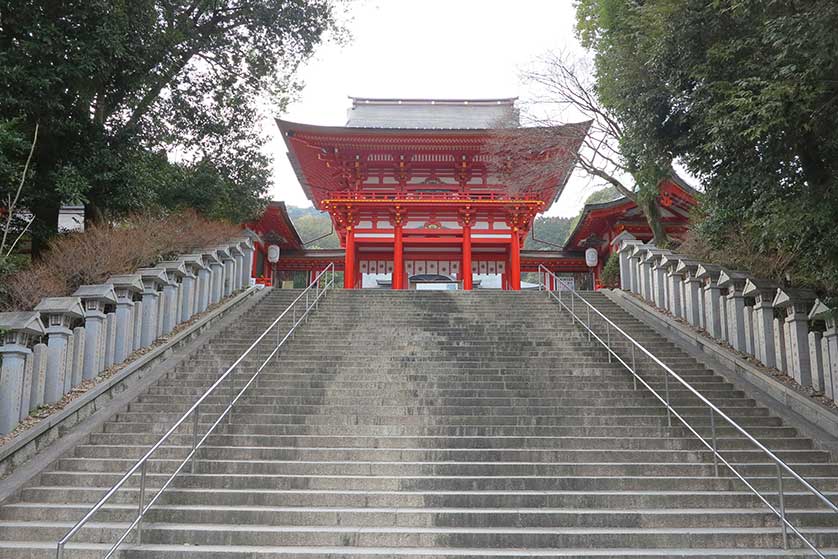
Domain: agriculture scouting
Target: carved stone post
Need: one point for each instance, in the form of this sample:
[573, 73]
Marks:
[713, 318]
[644, 271]
[829, 346]
[693, 308]
[18, 330]
[627, 273]
[59, 314]
[675, 280]
[126, 287]
[153, 281]
[248, 247]
[193, 264]
[225, 285]
[659, 281]
[237, 252]
[39, 375]
[733, 283]
[216, 287]
[175, 272]
[797, 303]
[763, 292]
[96, 300]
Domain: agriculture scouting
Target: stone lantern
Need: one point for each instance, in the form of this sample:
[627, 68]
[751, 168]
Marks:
[96, 300]
[797, 304]
[193, 264]
[714, 303]
[247, 261]
[129, 314]
[153, 281]
[763, 291]
[17, 332]
[59, 314]
[172, 292]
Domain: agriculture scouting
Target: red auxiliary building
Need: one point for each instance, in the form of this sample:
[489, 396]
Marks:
[411, 190]
[604, 225]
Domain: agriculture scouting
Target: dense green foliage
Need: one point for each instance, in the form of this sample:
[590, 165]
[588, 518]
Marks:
[119, 86]
[744, 92]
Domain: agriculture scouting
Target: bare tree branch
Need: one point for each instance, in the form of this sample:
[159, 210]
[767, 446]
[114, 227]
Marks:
[13, 203]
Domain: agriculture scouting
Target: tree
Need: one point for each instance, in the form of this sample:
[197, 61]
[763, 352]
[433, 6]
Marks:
[605, 152]
[118, 84]
[744, 92]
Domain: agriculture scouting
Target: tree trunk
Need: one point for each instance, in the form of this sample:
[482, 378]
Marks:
[652, 211]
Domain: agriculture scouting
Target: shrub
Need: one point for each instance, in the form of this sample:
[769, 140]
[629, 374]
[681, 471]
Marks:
[610, 276]
[103, 250]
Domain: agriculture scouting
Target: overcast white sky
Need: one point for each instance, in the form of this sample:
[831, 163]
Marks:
[428, 49]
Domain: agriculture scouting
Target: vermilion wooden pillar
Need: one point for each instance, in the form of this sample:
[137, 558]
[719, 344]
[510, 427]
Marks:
[515, 261]
[398, 259]
[349, 267]
[466, 265]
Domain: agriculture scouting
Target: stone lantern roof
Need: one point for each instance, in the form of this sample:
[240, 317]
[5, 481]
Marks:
[100, 292]
[687, 265]
[736, 279]
[153, 276]
[69, 306]
[224, 253]
[131, 282]
[671, 261]
[211, 256]
[760, 286]
[27, 322]
[708, 271]
[787, 297]
[193, 261]
[820, 311]
[173, 268]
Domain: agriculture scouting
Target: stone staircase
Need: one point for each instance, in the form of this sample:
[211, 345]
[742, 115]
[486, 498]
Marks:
[432, 424]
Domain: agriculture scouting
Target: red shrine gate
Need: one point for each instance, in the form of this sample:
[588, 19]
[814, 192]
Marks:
[418, 201]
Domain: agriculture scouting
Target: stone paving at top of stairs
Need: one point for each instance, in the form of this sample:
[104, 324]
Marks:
[431, 424]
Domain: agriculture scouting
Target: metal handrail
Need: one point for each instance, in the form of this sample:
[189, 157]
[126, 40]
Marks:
[712, 445]
[311, 302]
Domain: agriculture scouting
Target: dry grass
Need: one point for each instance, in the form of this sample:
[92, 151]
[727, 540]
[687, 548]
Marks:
[741, 252]
[101, 251]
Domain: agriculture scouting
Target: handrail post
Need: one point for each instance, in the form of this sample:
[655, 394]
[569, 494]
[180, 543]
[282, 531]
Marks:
[590, 326]
[633, 365]
[59, 553]
[782, 506]
[666, 395]
[141, 511]
[715, 444]
[194, 439]
[608, 341]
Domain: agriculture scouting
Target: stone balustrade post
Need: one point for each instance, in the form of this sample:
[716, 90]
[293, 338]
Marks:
[237, 252]
[675, 281]
[96, 301]
[110, 341]
[153, 280]
[643, 270]
[780, 346]
[39, 374]
[207, 277]
[126, 287]
[713, 308]
[191, 285]
[78, 355]
[659, 280]
[59, 315]
[829, 346]
[137, 333]
[763, 292]
[228, 267]
[18, 331]
[797, 303]
[692, 304]
[733, 283]
[625, 242]
[215, 286]
[175, 272]
[249, 251]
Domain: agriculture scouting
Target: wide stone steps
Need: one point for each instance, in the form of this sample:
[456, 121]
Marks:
[432, 425]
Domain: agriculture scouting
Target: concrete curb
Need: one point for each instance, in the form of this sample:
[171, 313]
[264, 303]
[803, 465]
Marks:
[810, 417]
[59, 433]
